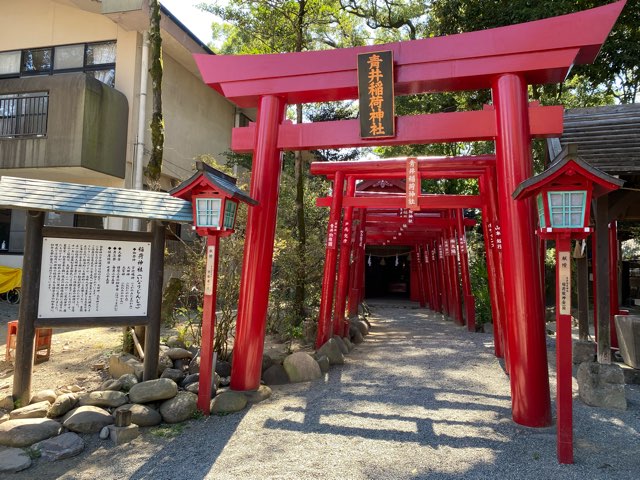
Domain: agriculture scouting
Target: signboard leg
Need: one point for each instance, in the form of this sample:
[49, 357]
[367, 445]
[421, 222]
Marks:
[28, 309]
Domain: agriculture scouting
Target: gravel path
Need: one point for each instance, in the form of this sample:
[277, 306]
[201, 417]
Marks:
[421, 398]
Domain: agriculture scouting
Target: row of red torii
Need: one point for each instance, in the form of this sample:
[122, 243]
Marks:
[505, 60]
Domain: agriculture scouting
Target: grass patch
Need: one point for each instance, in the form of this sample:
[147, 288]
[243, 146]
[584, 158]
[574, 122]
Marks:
[168, 431]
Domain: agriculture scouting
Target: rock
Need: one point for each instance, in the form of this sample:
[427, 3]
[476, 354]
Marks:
[113, 384]
[62, 405]
[122, 364]
[104, 433]
[275, 375]
[128, 380]
[179, 408]
[487, 327]
[178, 353]
[192, 378]
[194, 387]
[175, 342]
[194, 365]
[164, 362]
[355, 335]
[152, 390]
[98, 366]
[75, 388]
[332, 351]
[228, 402]
[301, 367]
[267, 361]
[182, 364]
[223, 368]
[142, 415]
[63, 446]
[13, 460]
[225, 381]
[26, 432]
[106, 399]
[601, 385]
[87, 419]
[173, 374]
[583, 351]
[35, 410]
[44, 395]
[256, 396]
[348, 343]
[323, 362]
[628, 332]
[362, 326]
[363, 318]
[6, 403]
[341, 345]
[5, 418]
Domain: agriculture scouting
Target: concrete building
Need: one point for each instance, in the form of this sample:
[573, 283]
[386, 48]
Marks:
[70, 103]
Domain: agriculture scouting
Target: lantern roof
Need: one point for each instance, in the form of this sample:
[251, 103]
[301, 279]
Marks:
[209, 177]
[568, 163]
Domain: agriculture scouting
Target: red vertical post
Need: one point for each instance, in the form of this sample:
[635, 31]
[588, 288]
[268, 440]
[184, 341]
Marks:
[426, 269]
[469, 301]
[443, 253]
[436, 277]
[258, 248]
[531, 403]
[208, 324]
[339, 324]
[455, 276]
[564, 397]
[417, 256]
[494, 262]
[358, 266]
[613, 281]
[329, 275]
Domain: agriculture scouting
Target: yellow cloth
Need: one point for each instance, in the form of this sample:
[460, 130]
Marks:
[10, 278]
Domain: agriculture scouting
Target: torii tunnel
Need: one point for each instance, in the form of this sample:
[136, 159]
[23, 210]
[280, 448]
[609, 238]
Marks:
[505, 60]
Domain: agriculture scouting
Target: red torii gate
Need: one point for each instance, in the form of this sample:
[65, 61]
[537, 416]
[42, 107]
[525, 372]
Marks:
[504, 59]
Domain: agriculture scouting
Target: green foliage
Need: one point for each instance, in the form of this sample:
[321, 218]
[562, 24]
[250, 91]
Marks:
[479, 277]
[168, 431]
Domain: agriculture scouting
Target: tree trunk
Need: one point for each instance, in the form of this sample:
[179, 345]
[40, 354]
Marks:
[154, 168]
[301, 276]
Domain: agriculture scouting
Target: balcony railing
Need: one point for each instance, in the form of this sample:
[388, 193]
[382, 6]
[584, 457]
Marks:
[24, 115]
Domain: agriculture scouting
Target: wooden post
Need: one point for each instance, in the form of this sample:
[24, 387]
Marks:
[152, 332]
[602, 279]
[28, 308]
[583, 297]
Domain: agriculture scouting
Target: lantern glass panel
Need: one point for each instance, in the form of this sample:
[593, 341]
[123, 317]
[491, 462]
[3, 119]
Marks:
[208, 212]
[230, 209]
[567, 208]
[541, 218]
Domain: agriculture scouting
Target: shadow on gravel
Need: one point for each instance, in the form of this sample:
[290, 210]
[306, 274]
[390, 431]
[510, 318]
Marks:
[192, 454]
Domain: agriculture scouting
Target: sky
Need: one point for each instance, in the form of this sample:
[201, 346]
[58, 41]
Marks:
[196, 20]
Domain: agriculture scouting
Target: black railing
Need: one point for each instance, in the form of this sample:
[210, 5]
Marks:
[24, 115]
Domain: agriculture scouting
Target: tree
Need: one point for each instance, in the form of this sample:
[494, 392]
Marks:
[154, 167]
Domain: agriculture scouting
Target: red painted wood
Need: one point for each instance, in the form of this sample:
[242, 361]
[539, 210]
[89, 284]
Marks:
[425, 128]
[614, 306]
[258, 250]
[331, 255]
[564, 367]
[542, 51]
[469, 301]
[531, 405]
[340, 326]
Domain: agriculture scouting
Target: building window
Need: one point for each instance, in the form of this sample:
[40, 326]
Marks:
[96, 59]
[24, 114]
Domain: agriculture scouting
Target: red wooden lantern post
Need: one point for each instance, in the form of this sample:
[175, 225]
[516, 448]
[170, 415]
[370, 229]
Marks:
[563, 194]
[215, 199]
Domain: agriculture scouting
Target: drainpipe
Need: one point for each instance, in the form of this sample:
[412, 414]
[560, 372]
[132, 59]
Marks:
[142, 122]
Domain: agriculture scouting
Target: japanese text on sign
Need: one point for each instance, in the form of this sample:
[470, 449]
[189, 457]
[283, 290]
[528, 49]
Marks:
[564, 274]
[93, 278]
[375, 84]
[413, 185]
[208, 275]
[332, 234]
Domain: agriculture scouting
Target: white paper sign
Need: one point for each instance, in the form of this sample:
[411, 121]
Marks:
[208, 277]
[564, 277]
[93, 278]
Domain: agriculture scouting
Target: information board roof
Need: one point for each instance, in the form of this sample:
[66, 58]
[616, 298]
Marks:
[43, 195]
